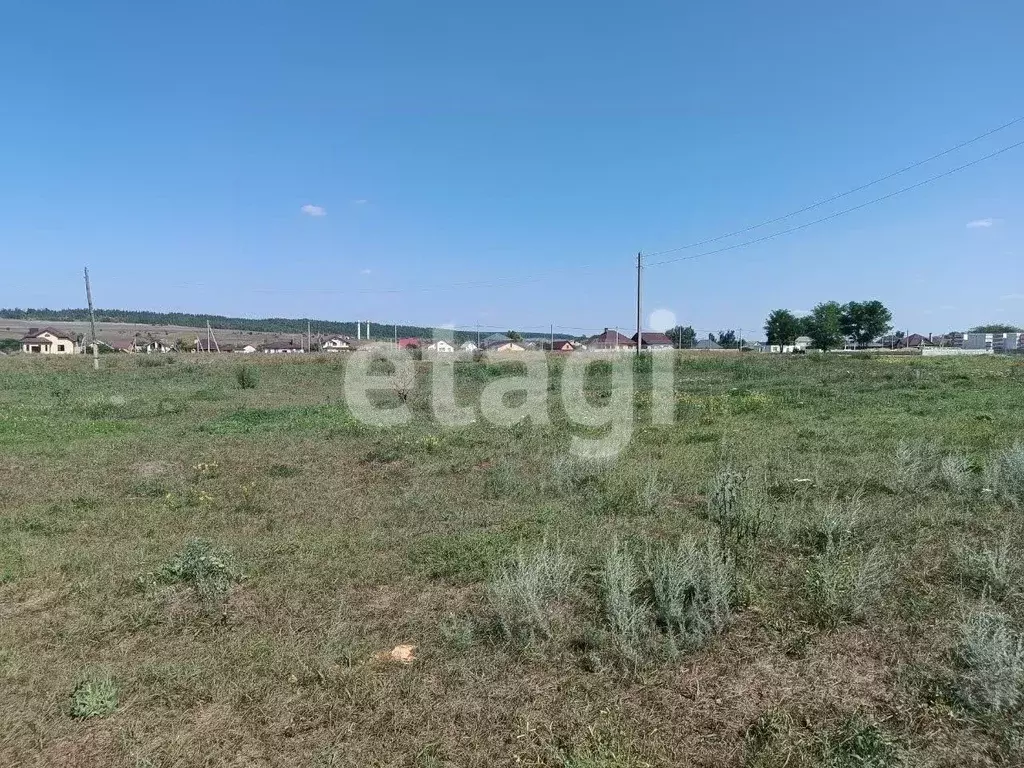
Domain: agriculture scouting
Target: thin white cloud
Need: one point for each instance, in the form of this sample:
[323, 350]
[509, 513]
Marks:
[980, 223]
[800, 312]
[947, 308]
[314, 210]
[364, 271]
[1012, 297]
[360, 201]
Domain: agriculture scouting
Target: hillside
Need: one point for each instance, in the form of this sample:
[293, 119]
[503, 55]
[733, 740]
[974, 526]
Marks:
[171, 322]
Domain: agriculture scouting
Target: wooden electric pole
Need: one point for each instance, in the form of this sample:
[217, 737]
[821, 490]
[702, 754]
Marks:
[639, 331]
[92, 323]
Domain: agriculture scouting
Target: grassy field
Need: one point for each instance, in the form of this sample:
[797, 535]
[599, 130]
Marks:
[818, 565]
[115, 332]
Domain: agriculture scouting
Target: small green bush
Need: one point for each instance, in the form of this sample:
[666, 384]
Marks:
[94, 698]
[247, 376]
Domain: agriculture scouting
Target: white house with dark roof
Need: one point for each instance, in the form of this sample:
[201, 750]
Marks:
[48, 341]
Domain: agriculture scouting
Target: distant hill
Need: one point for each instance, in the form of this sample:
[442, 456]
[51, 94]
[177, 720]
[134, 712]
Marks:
[220, 322]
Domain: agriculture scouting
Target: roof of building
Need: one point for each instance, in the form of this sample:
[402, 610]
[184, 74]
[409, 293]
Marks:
[289, 344]
[611, 337]
[36, 333]
[706, 344]
[653, 337]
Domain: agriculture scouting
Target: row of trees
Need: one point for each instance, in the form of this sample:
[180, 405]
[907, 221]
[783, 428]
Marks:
[830, 324]
[684, 337]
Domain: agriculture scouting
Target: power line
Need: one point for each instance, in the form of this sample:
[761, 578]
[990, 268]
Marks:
[841, 195]
[831, 216]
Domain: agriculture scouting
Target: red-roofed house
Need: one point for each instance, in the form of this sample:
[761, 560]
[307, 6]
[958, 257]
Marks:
[653, 340]
[611, 340]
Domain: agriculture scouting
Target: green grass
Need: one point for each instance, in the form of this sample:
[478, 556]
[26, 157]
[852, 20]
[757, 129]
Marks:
[817, 565]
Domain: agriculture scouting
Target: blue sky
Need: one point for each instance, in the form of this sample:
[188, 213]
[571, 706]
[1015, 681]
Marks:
[532, 147]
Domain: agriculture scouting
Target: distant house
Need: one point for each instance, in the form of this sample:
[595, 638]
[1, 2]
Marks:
[653, 340]
[558, 345]
[915, 341]
[149, 346]
[123, 345]
[468, 346]
[802, 343]
[610, 340]
[777, 349]
[248, 349]
[288, 347]
[441, 346]
[409, 343]
[504, 346]
[495, 338]
[706, 344]
[499, 342]
[48, 341]
[207, 345]
[337, 344]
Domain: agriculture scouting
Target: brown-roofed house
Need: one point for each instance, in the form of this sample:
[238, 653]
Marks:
[653, 340]
[48, 341]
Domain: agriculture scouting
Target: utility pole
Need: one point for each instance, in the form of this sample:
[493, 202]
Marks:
[92, 323]
[211, 340]
[396, 335]
[478, 335]
[552, 337]
[639, 331]
[309, 337]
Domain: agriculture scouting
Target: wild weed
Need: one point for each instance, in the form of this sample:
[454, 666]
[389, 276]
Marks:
[915, 464]
[210, 572]
[457, 631]
[858, 743]
[627, 615]
[692, 588]
[994, 572]
[955, 472]
[247, 376]
[523, 592]
[736, 513]
[94, 698]
[989, 659]
[648, 493]
[1006, 475]
[843, 584]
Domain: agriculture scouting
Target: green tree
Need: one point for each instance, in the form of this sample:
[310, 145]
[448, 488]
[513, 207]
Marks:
[782, 327]
[995, 328]
[865, 321]
[826, 325]
[682, 336]
[726, 339]
[10, 345]
[514, 335]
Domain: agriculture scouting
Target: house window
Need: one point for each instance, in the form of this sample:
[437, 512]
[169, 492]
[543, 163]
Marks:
[60, 347]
